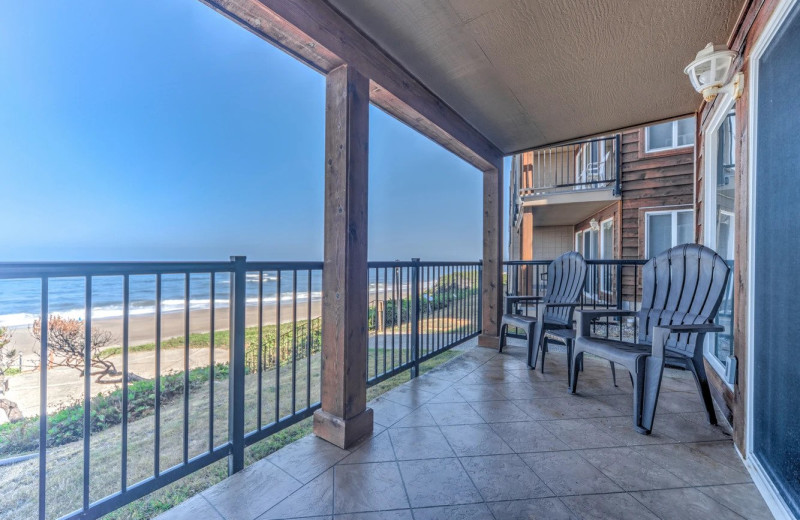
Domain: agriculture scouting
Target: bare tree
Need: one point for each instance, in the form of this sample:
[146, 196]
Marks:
[7, 356]
[66, 340]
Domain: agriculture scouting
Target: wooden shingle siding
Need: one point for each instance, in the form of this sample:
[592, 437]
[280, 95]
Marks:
[654, 180]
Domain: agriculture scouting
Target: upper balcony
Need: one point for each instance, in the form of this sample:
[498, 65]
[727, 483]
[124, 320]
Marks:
[571, 181]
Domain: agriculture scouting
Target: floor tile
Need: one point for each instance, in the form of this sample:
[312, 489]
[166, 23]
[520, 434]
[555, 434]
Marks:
[743, 499]
[193, 509]
[566, 473]
[403, 514]
[464, 512]
[308, 457]
[536, 509]
[499, 411]
[388, 412]
[619, 506]
[631, 470]
[313, 499]
[448, 395]
[243, 496]
[504, 477]
[723, 452]
[680, 504]
[695, 468]
[430, 383]
[446, 414]
[621, 428]
[527, 437]
[419, 417]
[368, 487]
[582, 434]
[410, 396]
[424, 442]
[472, 393]
[377, 449]
[684, 429]
[474, 439]
[439, 482]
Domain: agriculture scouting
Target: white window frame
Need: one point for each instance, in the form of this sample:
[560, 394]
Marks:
[722, 107]
[609, 221]
[579, 241]
[648, 149]
[674, 228]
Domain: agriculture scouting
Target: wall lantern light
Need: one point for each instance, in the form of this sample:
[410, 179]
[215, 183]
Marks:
[710, 70]
[594, 224]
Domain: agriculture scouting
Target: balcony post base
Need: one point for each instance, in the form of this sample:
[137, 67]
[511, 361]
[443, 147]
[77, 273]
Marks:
[488, 341]
[343, 432]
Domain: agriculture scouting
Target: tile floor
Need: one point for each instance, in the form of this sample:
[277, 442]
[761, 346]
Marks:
[484, 437]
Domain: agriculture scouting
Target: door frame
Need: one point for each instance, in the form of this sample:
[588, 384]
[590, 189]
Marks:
[768, 490]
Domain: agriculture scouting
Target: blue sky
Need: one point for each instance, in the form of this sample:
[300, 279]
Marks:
[161, 130]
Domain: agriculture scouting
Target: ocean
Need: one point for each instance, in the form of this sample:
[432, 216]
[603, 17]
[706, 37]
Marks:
[20, 299]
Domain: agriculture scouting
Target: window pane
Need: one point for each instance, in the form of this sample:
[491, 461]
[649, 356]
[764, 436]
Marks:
[608, 241]
[659, 233]
[659, 136]
[686, 132]
[685, 224]
[587, 244]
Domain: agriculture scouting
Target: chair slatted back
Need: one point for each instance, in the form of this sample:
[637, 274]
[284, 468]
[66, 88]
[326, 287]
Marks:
[565, 278]
[681, 286]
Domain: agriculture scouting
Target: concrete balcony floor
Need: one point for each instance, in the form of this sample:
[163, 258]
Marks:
[484, 437]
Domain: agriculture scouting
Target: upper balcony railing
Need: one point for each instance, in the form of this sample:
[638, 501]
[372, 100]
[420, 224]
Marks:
[582, 165]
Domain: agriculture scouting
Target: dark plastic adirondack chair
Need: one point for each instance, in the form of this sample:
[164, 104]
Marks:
[681, 292]
[565, 278]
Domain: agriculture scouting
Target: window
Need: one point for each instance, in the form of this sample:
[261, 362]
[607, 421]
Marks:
[579, 242]
[669, 136]
[665, 229]
[606, 273]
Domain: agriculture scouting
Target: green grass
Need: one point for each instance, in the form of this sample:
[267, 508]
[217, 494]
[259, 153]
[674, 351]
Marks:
[163, 499]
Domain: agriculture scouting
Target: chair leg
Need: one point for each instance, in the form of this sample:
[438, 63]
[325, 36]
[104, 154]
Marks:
[576, 359]
[613, 373]
[503, 333]
[699, 373]
[653, 371]
[529, 338]
[570, 347]
[544, 351]
[636, 371]
[535, 337]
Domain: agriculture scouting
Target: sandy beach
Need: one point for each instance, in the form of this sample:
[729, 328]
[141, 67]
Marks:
[142, 329]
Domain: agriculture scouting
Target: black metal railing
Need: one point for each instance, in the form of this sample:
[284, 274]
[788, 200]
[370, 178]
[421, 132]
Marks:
[582, 165]
[232, 355]
[417, 310]
[609, 284]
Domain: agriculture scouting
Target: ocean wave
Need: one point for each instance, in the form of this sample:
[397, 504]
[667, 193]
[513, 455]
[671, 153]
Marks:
[140, 308]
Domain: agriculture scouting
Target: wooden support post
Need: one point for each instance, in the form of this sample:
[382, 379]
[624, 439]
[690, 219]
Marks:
[344, 417]
[492, 287]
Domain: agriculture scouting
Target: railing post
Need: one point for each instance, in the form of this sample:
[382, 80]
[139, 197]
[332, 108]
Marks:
[237, 365]
[415, 315]
[480, 293]
[619, 286]
[618, 164]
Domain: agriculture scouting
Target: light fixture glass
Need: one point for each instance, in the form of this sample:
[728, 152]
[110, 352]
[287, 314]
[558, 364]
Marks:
[710, 69]
[594, 224]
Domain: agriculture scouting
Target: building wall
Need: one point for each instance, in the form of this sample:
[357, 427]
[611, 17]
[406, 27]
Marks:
[651, 181]
[552, 241]
[755, 17]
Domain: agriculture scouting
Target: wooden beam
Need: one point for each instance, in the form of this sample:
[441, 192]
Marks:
[317, 34]
[492, 283]
[344, 417]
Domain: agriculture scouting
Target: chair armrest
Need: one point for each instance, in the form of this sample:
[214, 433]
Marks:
[692, 328]
[585, 318]
[662, 332]
[511, 300]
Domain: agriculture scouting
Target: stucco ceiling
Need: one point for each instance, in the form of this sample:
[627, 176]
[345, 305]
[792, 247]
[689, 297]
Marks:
[532, 72]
